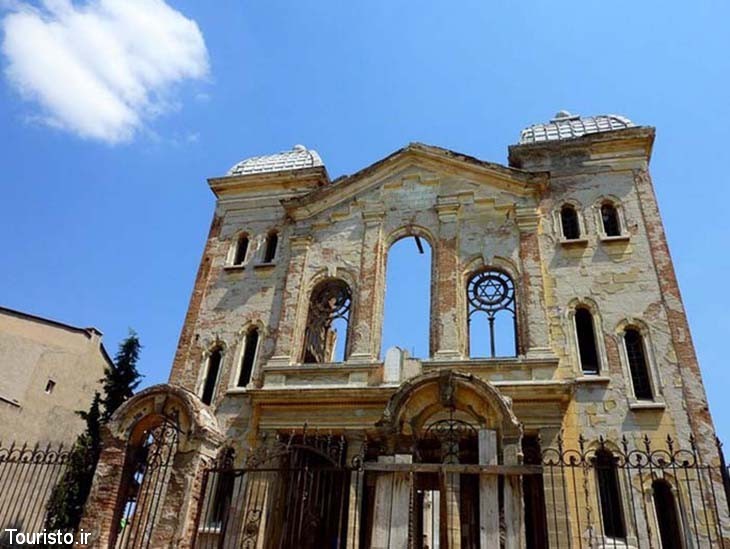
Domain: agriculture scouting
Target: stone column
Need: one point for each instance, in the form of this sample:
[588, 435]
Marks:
[488, 491]
[534, 327]
[445, 333]
[365, 329]
[285, 352]
[451, 511]
[392, 506]
[354, 509]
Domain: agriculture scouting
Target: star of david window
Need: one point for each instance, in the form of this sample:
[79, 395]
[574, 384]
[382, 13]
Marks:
[328, 320]
[491, 294]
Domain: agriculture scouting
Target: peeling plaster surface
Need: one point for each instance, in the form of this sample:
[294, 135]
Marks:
[473, 215]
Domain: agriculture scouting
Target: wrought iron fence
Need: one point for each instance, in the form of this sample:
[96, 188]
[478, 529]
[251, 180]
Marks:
[648, 496]
[28, 475]
[587, 495]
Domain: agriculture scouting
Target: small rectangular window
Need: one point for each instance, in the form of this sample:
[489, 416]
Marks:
[50, 385]
[272, 240]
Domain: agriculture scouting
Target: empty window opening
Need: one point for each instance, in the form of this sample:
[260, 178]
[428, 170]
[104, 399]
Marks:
[569, 222]
[241, 249]
[609, 493]
[667, 516]
[586, 334]
[636, 355]
[50, 385]
[272, 241]
[250, 348]
[611, 224]
[211, 376]
[328, 319]
[492, 315]
[408, 297]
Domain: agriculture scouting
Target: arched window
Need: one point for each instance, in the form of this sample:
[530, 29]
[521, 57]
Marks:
[272, 241]
[248, 361]
[636, 355]
[325, 338]
[569, 222]
[239, 255]
[491, 298]
[211, 375]
[665, 507]
[408, 297]
[586, 336]
[609, 493]
[611, 223]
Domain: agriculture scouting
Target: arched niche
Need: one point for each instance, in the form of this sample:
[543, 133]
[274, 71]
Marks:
[435, 395]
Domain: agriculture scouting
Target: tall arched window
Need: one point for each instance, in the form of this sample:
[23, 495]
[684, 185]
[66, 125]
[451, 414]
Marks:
[248, 360]
[610, 219]
[325, 339]
[636, 355]
[272, 241]
[211, 375]
[407, 309]
[609, 493]
[569, 222]
[492, 314]
[239, 255]
[586, 335]
[668, 522]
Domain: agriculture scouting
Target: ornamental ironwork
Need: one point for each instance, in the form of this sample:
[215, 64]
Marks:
[490, 292]
[146, 477]
[451, 433]
[331, 300]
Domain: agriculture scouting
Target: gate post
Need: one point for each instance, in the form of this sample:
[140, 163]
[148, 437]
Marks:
[177, 495]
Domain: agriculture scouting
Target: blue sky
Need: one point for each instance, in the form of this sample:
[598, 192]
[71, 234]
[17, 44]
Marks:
[104, 207]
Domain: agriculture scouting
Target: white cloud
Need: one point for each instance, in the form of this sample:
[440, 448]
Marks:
[101, 69]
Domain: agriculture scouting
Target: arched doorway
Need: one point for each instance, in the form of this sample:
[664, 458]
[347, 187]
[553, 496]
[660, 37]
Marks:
[453, 428]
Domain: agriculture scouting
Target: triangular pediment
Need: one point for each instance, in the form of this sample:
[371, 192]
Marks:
[434, 163]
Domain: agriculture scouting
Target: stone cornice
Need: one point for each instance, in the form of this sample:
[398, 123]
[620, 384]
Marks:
[304, 180]
[627, 143]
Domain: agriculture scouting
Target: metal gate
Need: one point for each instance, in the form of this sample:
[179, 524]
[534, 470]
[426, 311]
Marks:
[291, 494]
[144, 484]
[300, 493]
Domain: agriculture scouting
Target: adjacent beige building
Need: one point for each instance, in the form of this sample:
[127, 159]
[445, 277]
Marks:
[48, 371]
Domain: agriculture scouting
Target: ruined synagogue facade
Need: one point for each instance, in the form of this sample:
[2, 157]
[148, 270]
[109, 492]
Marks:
[556, 323]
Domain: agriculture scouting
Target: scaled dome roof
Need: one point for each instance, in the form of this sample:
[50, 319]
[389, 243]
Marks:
[567, 126]
[299, 157]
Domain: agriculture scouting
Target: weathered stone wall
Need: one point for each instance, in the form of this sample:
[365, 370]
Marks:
[473, 214]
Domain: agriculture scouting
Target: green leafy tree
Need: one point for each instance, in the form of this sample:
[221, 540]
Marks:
[66, 504]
